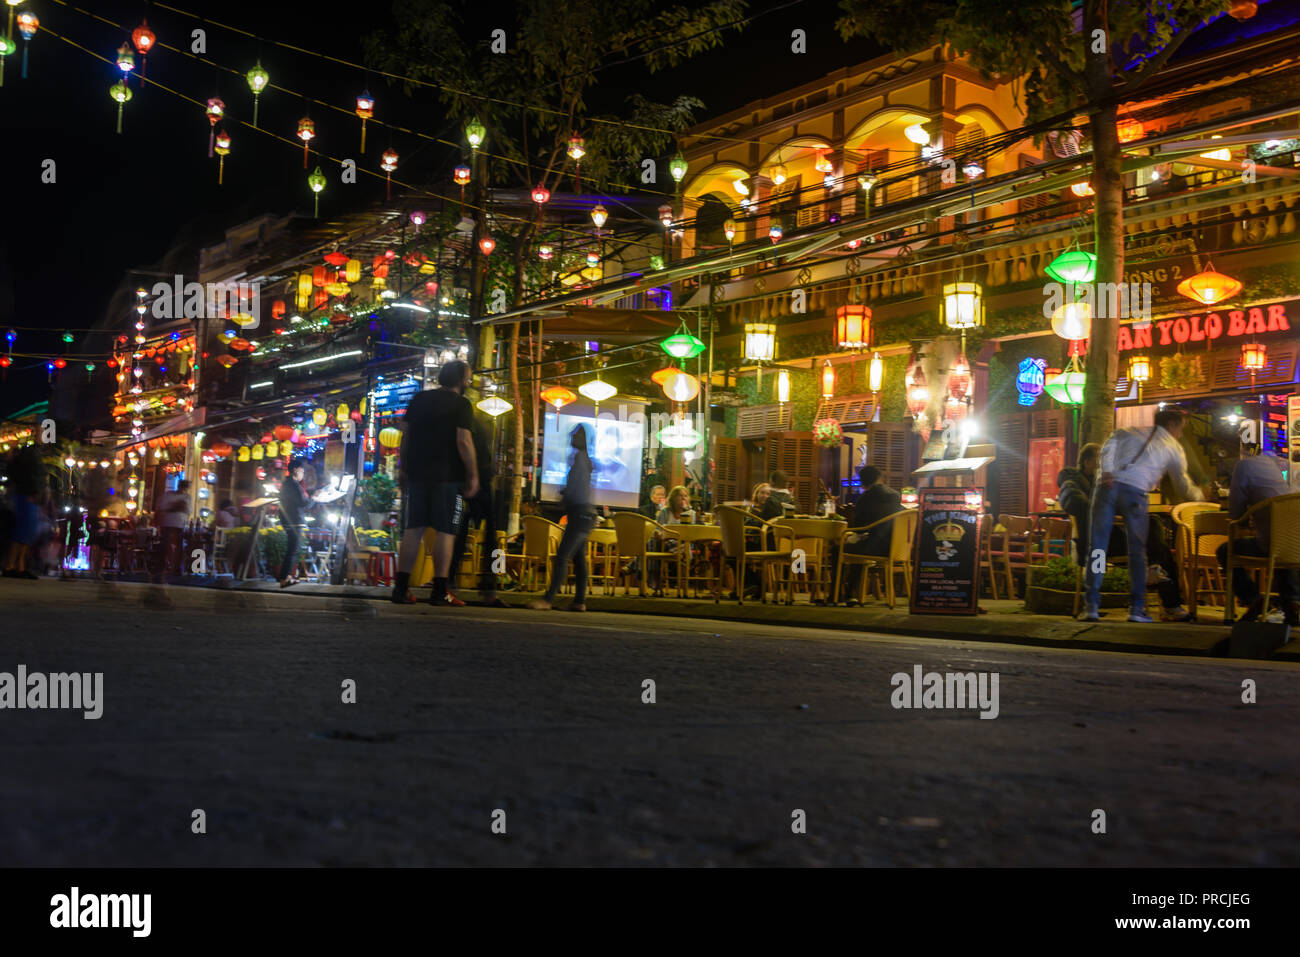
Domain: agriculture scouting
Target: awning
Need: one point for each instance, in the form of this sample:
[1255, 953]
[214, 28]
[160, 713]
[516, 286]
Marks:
[615, 326]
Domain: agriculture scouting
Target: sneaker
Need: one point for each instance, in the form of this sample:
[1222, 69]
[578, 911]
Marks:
[1175, 614]
[1140, 615]
[1156, 575]
[1091, 613]
[446, 601]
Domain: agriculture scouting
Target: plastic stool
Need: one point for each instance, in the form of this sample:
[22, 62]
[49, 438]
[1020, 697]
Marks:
[382, 568]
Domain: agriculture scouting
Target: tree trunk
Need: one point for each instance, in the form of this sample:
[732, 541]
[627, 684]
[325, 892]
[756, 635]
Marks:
[522, 244]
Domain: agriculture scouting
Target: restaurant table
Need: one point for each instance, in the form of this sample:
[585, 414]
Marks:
[692, 534]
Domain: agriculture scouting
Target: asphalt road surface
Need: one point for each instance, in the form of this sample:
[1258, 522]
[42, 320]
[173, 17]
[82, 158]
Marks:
[232, 703]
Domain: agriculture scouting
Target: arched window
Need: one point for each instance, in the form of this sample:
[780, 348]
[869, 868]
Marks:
[712, 214]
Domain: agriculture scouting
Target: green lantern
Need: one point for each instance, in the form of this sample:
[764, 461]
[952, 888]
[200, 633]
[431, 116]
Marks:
[258, 79]
[1073, 265]
[678, 166]
[656, 262]
[682, 345]
[317, 183]
[120, 92]
[475, 133]
[679, 435]
[67, 336]
[1067, 388]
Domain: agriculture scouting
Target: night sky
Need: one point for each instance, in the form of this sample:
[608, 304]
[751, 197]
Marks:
[120, 202]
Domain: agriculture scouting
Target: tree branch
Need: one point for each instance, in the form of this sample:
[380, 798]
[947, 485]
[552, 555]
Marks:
[1155, 63]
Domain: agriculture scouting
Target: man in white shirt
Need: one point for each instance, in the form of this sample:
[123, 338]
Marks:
[1132, 464]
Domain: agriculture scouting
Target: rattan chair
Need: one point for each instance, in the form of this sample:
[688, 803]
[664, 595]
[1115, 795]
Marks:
[902, 531]
[731, 521]
[1283, 515]
[541, 537]
[635, 533]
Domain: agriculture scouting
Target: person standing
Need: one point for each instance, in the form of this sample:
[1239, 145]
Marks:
[481, 508]
[576, 498]
[173, 516]
[1257, 478]
[1132, 464]
[437, 465]
[293, 499]
[877, 501]
[27, 484]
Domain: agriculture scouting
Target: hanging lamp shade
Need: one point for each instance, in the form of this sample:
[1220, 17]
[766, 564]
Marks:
[760, 341]
[1073, 265]
[959, 379]
[1072, 320]
[876, 373]
[599, 215]
[319, 417]
[677, 166]
[679, 435]
[598, 390]
[475, 133]
[828, 380]
[1254, 356]
[352, 270]
[1209, 287]
[963, 305]
[494, 405]
[660, 376]
[853, 327]
[1139, 368]
[1067, 387]
[558, 396]
[681, 387]
[683, 345]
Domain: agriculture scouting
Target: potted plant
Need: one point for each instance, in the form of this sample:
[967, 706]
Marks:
[1050, 587]
[377, 495]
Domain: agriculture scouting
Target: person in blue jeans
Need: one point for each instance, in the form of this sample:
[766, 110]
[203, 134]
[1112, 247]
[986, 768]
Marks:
[1132, 463]
[581, 515]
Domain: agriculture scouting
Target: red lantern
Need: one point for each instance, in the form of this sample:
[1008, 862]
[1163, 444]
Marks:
[112, 363]
[143, 38]
[319, 276]
[487, 244]
[306, 133]
[357, 416]
[266, 437]
[277, 309]
[388, 163]
[216, 111]
[1254, 357]
[320, 298]
[365, 110]
[60, 364]
[5, 362]
[461, 176]
[541, 194]
[340, 319]
[431, 288]
[959, 379]
[336, 259]
[221, 449]
[853, 327]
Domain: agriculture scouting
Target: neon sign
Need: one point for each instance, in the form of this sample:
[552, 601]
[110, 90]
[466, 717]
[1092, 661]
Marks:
[1209, 326]
[1030, 379]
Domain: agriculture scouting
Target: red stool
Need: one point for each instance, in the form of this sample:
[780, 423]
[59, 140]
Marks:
[382, 568]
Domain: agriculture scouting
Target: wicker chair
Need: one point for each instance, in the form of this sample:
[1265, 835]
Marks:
[1283, 513]
[817, 537]
[902, 532]
[635, 537]
[732, 523]
[541, 537]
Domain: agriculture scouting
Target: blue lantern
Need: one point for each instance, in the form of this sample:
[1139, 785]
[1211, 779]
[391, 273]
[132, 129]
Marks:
[1029, 380]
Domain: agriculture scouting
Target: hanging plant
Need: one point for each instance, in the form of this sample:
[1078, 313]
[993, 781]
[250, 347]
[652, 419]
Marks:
[1181, 372]
[828, 433]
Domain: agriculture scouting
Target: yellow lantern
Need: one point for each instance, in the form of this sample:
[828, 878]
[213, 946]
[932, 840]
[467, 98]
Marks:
[320, 417]
[682, 387]
[243, 319]
[352, 271]
[390, 438]
[342, 412]
[1254, 357]
[256, 454]
[828, 380]
[963, 305]
[364, 404]
[1139, 368]
[286, 449]
[337, 289]
[783, 386]
[1072, 320]
[876, 373]
[243, 454]
[760, 341]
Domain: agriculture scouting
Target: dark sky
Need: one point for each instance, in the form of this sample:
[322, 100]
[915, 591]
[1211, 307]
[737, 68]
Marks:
[120, 202]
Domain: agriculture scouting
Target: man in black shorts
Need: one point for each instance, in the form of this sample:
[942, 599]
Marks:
[437, 466]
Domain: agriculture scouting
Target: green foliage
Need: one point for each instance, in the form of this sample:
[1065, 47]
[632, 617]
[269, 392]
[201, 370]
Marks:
[377, 493]
[273, 542]
[1181, 372]
[1060, 573]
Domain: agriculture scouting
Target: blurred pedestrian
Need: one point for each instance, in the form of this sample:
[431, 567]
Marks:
[576, 499]
[293, 499]
[481, 508]
[1257, 478]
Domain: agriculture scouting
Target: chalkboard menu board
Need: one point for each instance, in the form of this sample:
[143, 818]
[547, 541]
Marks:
[945, 559]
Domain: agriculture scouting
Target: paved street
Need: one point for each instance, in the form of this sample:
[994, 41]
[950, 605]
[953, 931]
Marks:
[231, 702]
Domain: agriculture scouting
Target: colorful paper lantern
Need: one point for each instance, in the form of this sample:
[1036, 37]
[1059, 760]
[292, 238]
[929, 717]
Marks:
[597, 390]
[121, 93]
[1209, 287]
[1254, 356]
[320, 417]
[494, 405]
[679, 435]
[558, 396]
[683, 345]
[365, 110]
[1029, 380]
[475, 133]
[306, 133]
[1128, 130]
[853, 327]
[1072, 320]
[959, 378]
[1073, 265]
[599, 215]
[828, 380]
[760, 341]
[681, 387]
[963, 305]
[258, 80]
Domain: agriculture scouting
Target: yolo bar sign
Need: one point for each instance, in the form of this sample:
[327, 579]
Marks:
[1229, 324]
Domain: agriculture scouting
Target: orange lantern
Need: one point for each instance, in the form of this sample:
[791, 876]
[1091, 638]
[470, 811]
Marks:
[1254, 356]
[283, 432]
[1081, 190]
[663, 375]
[240, 345]
[221, 449]
[227, 361]
[336, 258]
[558, 396]
[828, 380]
[1209, 287]
[1129, 130]
[853, 327]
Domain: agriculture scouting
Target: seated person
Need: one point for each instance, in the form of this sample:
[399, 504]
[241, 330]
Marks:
[779, 497]
[877, 501]
[658, 496]
[1258, 478]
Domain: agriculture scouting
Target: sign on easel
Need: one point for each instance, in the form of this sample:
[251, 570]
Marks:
[945, 556]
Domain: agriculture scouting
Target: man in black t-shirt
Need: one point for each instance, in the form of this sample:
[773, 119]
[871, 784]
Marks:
[437, 464]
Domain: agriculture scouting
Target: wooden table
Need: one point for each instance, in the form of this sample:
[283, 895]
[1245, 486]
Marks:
[692, 534]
